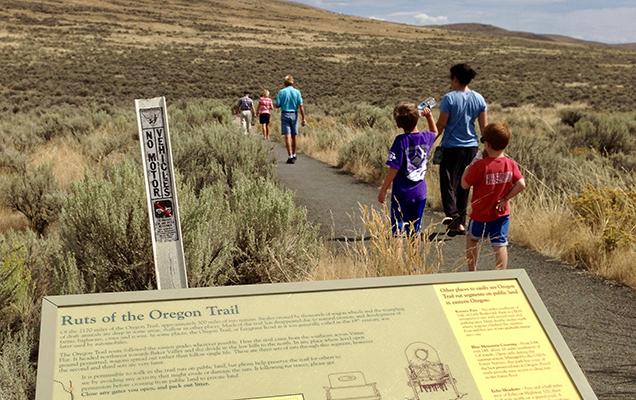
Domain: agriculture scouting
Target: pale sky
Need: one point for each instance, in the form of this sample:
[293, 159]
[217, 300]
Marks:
[608, 21]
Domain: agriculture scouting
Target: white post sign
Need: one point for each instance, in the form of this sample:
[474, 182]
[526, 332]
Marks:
[163, 209]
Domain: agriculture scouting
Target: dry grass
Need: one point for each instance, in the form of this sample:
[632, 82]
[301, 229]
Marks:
[383, 254]
[12, 220]
[66, 160]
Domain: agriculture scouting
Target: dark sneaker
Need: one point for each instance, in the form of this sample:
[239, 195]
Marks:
[290, 160]
[447, 220]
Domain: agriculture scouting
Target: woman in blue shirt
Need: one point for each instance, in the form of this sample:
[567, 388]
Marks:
[459, 109]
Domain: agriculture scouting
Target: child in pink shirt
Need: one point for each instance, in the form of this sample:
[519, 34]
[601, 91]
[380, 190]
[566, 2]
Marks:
[265, 107]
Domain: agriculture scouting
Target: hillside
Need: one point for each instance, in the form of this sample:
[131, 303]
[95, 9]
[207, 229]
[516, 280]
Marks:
[495, 30]
[113, 51]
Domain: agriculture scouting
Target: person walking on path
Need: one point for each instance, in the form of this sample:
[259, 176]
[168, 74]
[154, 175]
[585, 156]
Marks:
[407, 166]
[290, 102]
[456, 124]
[265, 107]
[246, 112]
[495, 179]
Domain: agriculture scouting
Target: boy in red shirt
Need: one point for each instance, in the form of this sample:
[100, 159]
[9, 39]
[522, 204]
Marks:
[495, 180]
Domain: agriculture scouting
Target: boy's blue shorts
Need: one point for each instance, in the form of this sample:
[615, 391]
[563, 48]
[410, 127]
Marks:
[289, 123]
[496, 230]
[406, 215]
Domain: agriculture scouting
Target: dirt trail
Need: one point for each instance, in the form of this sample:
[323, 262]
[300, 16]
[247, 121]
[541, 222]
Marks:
[597, 319]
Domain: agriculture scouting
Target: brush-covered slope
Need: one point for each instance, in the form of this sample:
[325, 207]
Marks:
[113, 51]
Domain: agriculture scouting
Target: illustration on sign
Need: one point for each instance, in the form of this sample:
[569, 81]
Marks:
[163, 208]
[351, 385]
[68, 389]
[426, 373]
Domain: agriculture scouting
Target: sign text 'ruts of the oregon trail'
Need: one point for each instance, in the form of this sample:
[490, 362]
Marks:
[152, 120]
[468, 336]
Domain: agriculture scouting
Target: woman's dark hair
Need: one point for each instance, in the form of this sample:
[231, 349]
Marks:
[406, 116]
[463, 72]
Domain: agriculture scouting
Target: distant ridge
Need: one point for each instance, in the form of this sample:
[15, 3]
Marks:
[495, 30]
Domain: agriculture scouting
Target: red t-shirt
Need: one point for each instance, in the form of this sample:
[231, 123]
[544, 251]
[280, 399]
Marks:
[491, 179]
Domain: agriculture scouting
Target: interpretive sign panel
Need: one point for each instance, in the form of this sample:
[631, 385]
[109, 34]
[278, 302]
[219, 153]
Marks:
[483, 335]
[163, 209]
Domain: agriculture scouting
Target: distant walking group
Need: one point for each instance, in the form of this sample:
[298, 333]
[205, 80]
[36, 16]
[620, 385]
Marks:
[290, 102]
[495, 178]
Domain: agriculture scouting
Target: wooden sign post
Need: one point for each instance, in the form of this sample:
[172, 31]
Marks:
[163, 208]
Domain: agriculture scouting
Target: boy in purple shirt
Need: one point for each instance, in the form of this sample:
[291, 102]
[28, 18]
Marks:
[407, 165]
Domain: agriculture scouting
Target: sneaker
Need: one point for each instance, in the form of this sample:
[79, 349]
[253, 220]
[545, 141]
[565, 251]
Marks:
[447, 220]
[290, 160]
[294, 157]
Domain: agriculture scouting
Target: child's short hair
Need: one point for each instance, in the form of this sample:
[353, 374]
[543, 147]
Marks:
[264, 93]
[406, 116]
[497, 134]
[463, 72]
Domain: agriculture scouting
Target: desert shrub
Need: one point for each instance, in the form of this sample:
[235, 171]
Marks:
[104, 226]
[17, 368]
[219, 153]
[329, 140]
[221, 114]
[15, 284]
[274, 239]
[20, 132]
[624, 162]
[198, 113]
[367, 151]
[11, 159]
[363, 115]
[570, 116]
[209, 235]
[34, 193]
[54, 125]
[607, 134]
[66, 277]
[611, 212]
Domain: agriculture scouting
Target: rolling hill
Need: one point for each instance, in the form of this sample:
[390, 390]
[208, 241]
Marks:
[113, 51]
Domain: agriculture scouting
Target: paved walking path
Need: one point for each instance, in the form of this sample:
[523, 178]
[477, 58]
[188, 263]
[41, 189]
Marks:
[596, 318]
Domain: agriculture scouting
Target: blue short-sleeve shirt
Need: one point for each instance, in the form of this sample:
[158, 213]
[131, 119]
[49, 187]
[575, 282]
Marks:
[463, 108]
[289, 99]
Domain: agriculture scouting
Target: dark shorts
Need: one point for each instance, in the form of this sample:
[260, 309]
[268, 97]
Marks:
[263, 118]
[496, 231]
[406, 215]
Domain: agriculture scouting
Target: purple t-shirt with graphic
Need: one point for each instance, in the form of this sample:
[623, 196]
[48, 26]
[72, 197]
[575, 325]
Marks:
[409, 154]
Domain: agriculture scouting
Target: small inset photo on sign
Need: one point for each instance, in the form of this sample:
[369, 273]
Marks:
[163, 208]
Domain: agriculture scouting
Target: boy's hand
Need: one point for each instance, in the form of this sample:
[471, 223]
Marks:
[303, 122]
[426, 112]
[501, 205]
[382, 195]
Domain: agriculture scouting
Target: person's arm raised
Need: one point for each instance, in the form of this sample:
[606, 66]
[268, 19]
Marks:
[426, 113]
